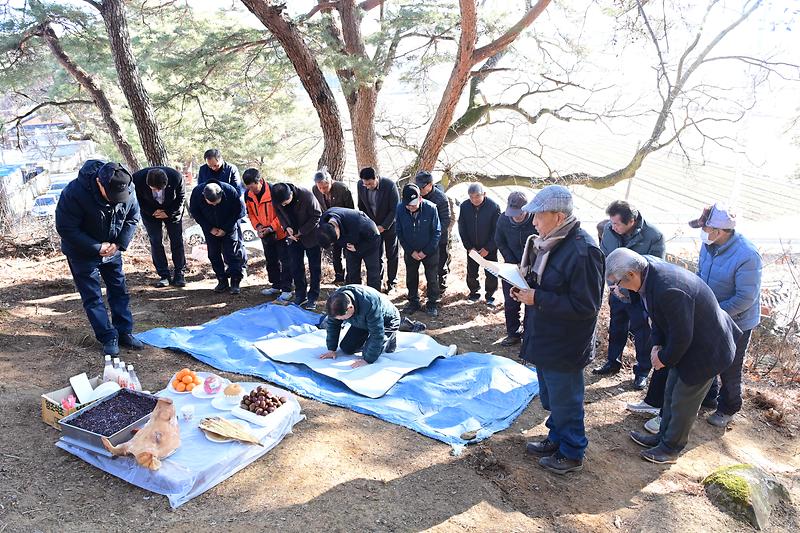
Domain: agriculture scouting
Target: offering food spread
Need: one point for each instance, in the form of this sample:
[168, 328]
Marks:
[185, 380]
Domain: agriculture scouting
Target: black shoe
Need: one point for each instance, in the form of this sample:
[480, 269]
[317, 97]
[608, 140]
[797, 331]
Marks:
[432, 311]
[709, 404]
[640, 383]
[558, 464]
[645, 439]
[338, 280]
[235, 289]
[490, 301]
[111, 347]
[129, 341]
[608, 369]
[309, 305]
[541, 447]
[411, 308]
[473, 298]
[659, 455]
[511, 340]
[162, 283]
[222, 285]
[178, 281]
[298, 301]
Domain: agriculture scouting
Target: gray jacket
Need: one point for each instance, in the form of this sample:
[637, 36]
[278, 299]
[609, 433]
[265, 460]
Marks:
[644, 240]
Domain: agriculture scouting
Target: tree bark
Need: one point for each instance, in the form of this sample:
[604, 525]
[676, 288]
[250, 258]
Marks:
[130, 80]
[98, 96]
[307, 68]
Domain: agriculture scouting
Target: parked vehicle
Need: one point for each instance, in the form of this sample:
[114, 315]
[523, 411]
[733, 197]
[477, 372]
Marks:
[45, 206]
[194, 235]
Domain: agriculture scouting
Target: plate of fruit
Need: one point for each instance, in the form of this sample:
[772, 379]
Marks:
[185, 381]
[211, 387]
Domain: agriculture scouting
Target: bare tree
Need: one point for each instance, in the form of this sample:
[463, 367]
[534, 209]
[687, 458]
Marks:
[130, 79]
[312, 78]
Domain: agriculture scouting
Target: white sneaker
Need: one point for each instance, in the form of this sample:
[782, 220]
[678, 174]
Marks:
[270, 292]
[653, 425]
[285, 296]
[642, 407]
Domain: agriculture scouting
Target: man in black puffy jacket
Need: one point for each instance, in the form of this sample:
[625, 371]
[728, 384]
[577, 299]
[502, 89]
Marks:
[435, 194]
[477, 220]
[96, 217]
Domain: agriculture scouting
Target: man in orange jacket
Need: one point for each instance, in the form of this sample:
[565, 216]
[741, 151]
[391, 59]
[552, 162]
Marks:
[264, 219]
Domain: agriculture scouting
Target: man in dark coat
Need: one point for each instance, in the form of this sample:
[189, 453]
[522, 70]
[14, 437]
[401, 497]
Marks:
[513, 230]
[329, 194]
[217, 169]
[692, 336]
[217, 208]
[436, 195]
[299, 214]
[357, 234]
[378, 198]
[373, 319]
[564, 268]
[477, 220]
[96, 217]
[419, 231]
[628, 229]
[161, 198]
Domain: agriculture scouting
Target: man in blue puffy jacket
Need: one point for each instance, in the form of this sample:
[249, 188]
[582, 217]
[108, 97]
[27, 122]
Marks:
[731, 265]
[96, 217]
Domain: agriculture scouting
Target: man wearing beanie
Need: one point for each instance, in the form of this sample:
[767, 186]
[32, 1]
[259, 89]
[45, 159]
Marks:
[434, 193]
[564, 268]
[511, 234]
[329, 194]
[96, 217]
[378, 198]
[419, 231]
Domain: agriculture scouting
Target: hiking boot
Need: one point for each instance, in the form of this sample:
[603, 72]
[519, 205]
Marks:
[719, 419]
[222, 286]
[511, 340]
[644, 439]
[162, 283]
[411, 307]
[432, 310]
[111, 347]
[608, 369]
[640, 383]
[129, 341]
[179, 281]
[659, 455]
[541, 447]
[235, 289]
[653, 425]
[643, 407]
[558, 464]
[473, 298]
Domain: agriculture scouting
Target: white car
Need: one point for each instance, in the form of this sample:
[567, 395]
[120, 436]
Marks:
[45, 206]
[194, 235]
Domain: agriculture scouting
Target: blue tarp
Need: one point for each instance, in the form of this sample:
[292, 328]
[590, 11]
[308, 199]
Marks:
[465, 395]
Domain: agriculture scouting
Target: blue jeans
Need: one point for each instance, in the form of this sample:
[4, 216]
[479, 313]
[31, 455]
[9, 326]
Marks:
[228, 249]
[155, 233]
[562, 394]
[625, 318]
[297, 261]
[87, 274]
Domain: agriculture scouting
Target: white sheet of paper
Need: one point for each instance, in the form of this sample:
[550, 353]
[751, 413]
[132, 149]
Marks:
[506, 271]
[414, 351]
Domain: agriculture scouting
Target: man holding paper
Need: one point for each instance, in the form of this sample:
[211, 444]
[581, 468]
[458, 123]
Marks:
[373, 319]
[565, 269]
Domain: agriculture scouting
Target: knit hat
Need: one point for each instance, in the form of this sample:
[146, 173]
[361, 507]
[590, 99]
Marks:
[116, 181]
[717, 216]
[552, 198]
[411, 195]
[516, 201]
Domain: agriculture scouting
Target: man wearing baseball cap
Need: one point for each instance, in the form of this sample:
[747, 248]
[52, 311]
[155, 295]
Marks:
[418, 231]
[434, 193]
[511, 234]
[96, 217]
[565, 270]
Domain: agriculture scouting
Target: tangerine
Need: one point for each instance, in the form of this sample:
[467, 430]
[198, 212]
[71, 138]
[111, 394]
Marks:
[187, 379]
[190, 386]
[180, 387]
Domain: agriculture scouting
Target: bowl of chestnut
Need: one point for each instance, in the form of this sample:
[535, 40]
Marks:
[262, 402]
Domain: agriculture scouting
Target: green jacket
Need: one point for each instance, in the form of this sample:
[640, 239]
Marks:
[373, 312]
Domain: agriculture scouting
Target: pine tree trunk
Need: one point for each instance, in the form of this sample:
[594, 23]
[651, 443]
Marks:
[307, 68]
[97, 94]
[130, 80]
[362, 119]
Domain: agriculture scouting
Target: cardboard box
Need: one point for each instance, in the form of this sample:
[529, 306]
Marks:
[53, 411]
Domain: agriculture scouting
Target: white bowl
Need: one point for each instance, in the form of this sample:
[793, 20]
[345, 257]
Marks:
[103, 390]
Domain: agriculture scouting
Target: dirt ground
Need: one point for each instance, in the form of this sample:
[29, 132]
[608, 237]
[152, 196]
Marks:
[342, 471]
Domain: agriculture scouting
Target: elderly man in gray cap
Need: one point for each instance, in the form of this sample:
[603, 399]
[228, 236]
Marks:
[564, 268]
